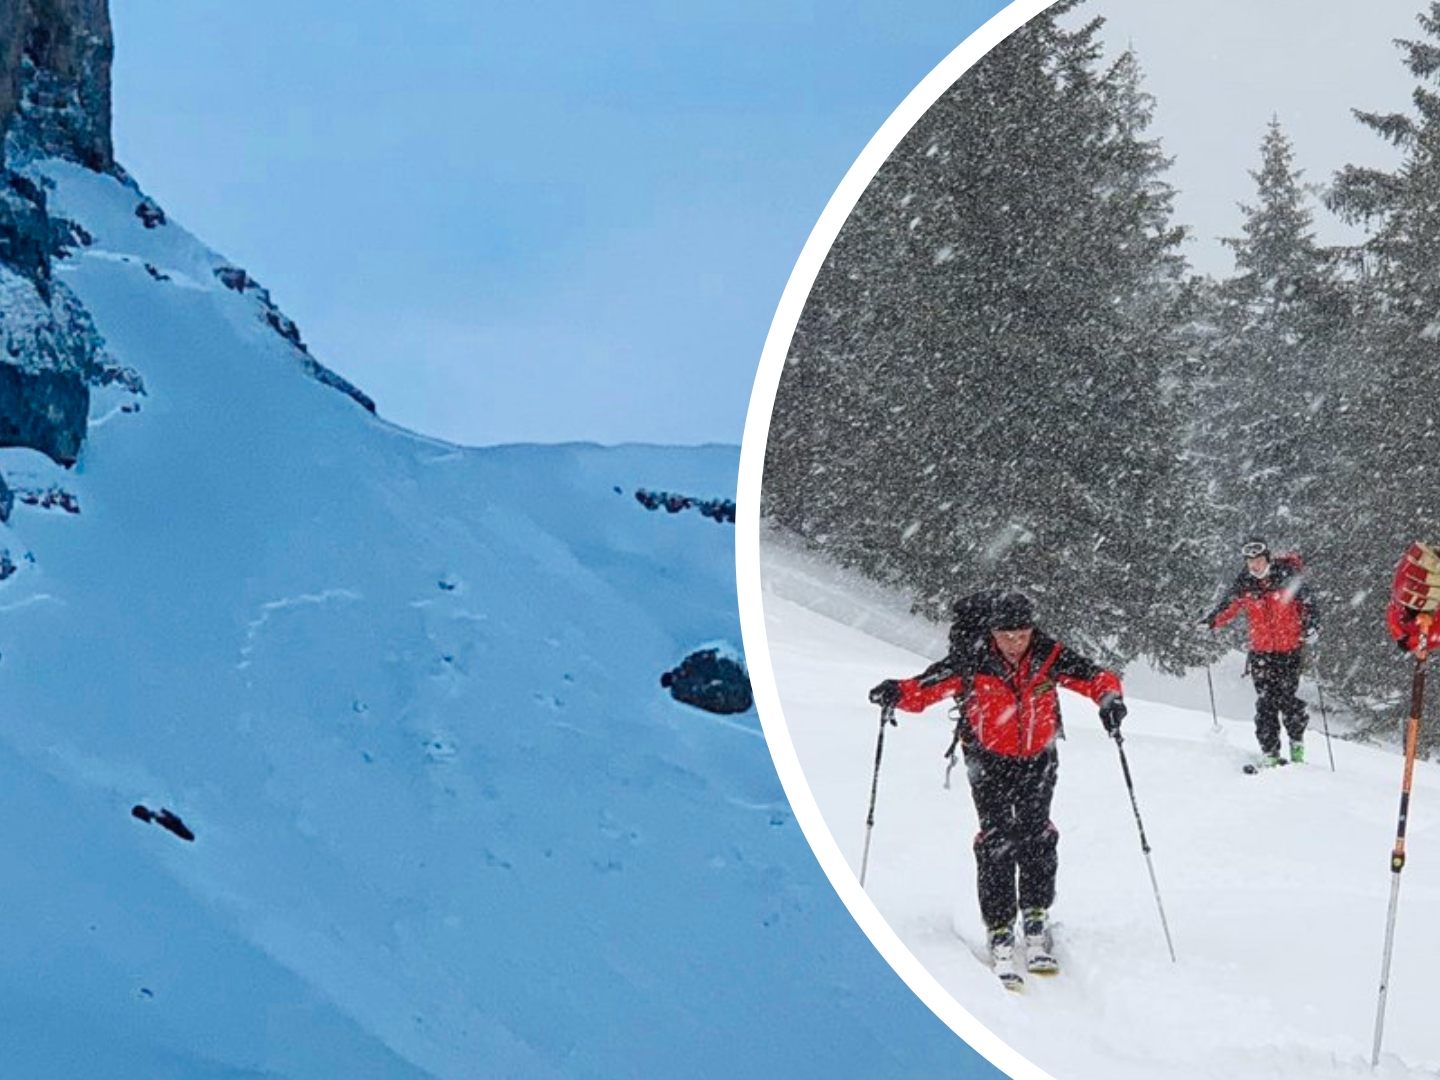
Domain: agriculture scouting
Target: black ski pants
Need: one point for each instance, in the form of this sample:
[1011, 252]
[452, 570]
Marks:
[1016, 850]
[1277, 678]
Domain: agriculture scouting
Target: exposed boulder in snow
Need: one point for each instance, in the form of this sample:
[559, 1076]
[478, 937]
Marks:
[165, 818]
[7, 503]
[50, 498]
[711, 681]
[149, 213]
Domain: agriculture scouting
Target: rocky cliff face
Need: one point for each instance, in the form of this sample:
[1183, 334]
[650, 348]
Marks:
[54, 102]
[55, 58]
[55, 80]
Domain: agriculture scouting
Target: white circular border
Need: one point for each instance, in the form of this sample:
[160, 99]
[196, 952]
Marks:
[747, 539]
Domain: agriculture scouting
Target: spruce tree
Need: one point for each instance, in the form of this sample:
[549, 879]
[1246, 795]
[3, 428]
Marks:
[1278, 319]
[1387, 442]
[979, 391]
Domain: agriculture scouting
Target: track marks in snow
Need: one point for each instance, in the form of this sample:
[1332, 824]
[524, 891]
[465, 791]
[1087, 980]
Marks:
[257, 625]
[30, 601]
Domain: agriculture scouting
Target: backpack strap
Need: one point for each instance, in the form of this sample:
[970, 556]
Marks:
[1048, 664]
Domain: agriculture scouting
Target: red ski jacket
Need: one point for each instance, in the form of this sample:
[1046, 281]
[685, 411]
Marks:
[1012, 711]
[1277, 607]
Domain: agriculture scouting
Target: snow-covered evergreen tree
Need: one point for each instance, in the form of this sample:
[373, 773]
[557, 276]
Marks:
[1266, 433]
[979, 390]
[1388, 439]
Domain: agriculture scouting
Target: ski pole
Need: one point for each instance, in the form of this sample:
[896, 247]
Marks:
[1397, 857]
[1210, 682]
[887, 716]
[1214, 716]
[1144, 843]
[1325, 720]
[951, 757]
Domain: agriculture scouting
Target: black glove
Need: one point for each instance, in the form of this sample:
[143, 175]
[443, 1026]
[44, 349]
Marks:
[886, 694]
[1112, 711]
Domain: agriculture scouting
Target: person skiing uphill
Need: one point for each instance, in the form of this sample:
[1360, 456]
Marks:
[1006, 689]
[1277, 604]
[1415, 600]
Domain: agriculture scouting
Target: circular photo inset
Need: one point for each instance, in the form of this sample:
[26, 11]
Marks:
[1094, 423]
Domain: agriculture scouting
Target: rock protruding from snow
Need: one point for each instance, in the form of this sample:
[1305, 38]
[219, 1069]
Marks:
[237, 280]
[719, 510]
[711, 681]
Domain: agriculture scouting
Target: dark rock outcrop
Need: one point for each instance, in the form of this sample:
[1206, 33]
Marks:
[718, 510]
[709, 681]
[55, 60]
[237, 280]
[49, 349]
[53, 497]
[150, 214]
[43, 410]
[48, 346]
[165, 818]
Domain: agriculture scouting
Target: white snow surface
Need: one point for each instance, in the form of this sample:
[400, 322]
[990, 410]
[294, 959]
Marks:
[406, 695]
[1276, 886]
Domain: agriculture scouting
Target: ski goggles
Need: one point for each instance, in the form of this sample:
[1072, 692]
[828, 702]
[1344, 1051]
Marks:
[1254, 550]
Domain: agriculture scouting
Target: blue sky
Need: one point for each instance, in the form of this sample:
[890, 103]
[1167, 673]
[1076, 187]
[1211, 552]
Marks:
[520, 222]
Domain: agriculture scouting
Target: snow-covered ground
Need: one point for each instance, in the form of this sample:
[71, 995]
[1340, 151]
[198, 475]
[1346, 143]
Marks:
[406, 695]
[1275, 886]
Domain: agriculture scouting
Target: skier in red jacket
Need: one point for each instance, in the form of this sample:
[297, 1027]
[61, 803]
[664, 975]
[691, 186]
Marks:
[1277, 604]
[1010, 718]
[1415, 600]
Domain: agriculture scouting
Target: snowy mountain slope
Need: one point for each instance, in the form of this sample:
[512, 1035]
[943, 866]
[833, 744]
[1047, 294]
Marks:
[406, 696]
[1275, 886]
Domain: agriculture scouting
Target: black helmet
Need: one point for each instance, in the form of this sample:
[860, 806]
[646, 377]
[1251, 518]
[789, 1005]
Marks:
[1255, 547]
[1013, 611]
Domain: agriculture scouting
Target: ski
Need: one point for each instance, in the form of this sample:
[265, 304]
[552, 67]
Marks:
[1251, 768]
[1041, 962]
[1012, 981]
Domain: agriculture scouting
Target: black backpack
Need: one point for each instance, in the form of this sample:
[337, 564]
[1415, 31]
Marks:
[970, 627]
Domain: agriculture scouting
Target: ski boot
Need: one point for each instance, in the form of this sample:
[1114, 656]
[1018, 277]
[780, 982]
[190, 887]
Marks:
[1039, 946]
[1002, 958]
[1269, 761]
[1297, 753]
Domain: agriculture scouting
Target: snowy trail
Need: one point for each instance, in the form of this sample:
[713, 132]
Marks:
[1275, 885]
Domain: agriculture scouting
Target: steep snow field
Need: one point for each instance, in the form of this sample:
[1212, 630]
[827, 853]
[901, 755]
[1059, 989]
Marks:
[1275, 886]
[406, 695]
